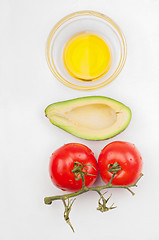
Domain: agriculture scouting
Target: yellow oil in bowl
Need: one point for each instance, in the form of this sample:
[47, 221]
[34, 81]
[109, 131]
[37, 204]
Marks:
[87, 56]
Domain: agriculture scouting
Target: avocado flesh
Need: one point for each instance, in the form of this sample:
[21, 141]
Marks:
[91, 118]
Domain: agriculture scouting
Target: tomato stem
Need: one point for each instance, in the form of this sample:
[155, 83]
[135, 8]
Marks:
[110, 182]
[102, 202]
[49, 200]
[67, 211]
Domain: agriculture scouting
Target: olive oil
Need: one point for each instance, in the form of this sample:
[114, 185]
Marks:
[87, 56]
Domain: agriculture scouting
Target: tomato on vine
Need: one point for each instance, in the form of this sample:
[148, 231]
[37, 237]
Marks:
[128, 158]
[73, 167]
[67, 162]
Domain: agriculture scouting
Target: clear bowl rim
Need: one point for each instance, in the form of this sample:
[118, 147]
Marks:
[64, 81]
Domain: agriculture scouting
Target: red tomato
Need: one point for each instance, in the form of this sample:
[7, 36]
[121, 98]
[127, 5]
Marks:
[62, 163]
[127, 156]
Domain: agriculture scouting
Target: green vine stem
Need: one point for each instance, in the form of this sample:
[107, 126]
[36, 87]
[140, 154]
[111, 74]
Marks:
[49, 200]
[67, 211]
[102, 202]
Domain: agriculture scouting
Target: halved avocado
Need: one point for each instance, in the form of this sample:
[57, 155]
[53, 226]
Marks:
[91, 118]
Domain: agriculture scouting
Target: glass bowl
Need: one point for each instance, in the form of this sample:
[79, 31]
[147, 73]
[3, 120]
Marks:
[85, 21]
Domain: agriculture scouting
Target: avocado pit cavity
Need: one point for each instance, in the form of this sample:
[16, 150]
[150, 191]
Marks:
[93, 116]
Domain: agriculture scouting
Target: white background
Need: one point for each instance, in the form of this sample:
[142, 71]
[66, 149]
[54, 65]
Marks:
[28, 138]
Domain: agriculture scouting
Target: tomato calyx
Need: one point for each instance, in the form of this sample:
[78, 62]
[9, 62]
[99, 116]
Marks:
[113, 168]
[78, 170]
